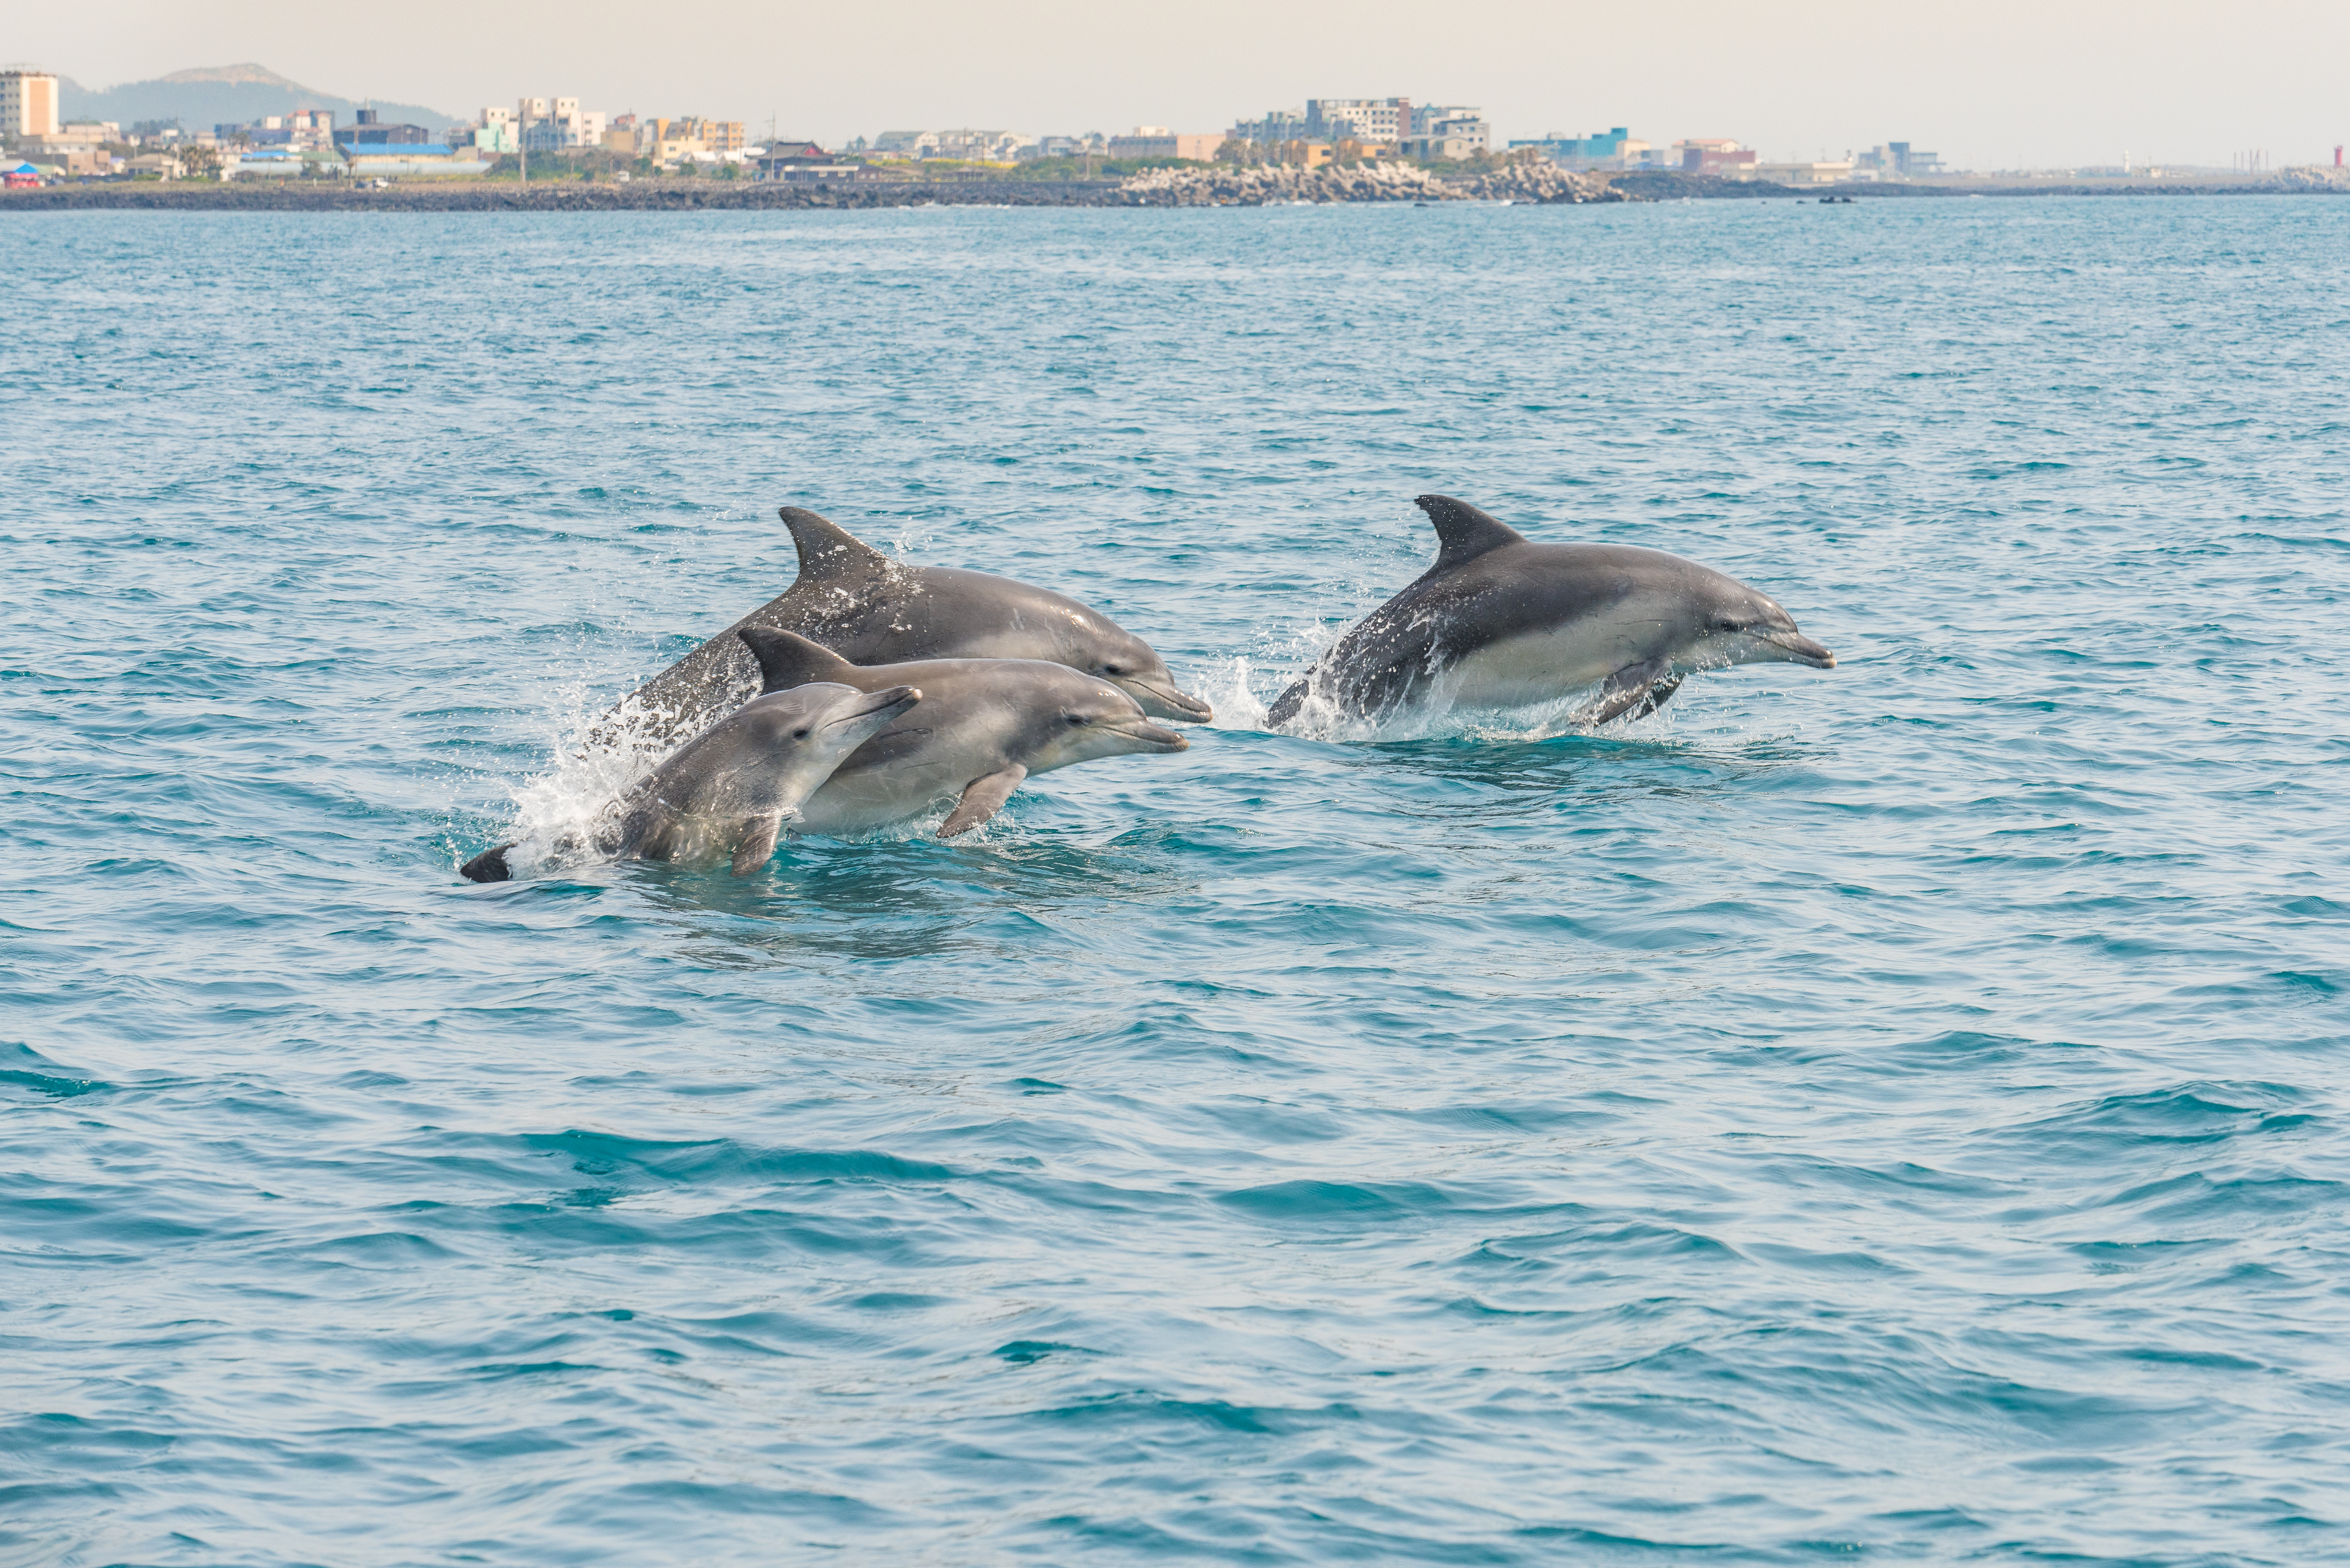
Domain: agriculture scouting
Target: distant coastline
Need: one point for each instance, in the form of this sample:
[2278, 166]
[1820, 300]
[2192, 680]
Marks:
[700, 195]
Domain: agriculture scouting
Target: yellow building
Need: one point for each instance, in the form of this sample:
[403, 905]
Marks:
[685, 137]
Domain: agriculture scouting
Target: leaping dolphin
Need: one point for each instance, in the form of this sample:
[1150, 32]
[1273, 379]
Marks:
[727, 793]
[870, 610]
[1500, 621]
[984, 725]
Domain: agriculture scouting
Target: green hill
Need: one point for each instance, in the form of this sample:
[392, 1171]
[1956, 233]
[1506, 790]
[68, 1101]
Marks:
[222, 95]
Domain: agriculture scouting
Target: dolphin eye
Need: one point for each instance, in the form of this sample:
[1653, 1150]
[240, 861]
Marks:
[1077, 717]
[1112, 669]
[799, 734]
[1725, 623]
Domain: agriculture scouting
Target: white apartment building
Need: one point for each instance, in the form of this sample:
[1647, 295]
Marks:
[1363, 119]
[1462, 124]
[28, 103]
[545, 125]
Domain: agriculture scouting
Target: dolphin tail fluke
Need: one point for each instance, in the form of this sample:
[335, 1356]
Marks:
[489, 865]
[787, 659]
[1463, 532]
[827, 549]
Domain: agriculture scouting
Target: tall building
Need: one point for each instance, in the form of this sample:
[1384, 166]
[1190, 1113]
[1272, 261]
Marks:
[28, 103]
[1277, 126]
[1362, 118]
[1908, 161]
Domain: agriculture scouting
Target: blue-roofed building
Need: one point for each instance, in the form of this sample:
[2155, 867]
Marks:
[1580, 152]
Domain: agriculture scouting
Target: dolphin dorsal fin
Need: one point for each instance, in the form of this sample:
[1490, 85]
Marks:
[827, 549]
[1464, 532]
[787, 659]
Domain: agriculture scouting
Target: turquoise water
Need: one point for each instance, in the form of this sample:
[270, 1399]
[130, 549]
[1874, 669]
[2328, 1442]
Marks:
[1891, 1114]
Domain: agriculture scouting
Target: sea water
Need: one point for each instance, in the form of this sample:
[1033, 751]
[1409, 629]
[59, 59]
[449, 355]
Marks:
[1894, 1113]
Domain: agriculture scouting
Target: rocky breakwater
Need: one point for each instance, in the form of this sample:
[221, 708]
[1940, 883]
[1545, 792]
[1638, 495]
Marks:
[1542, 182]
[1254, 185]
[2330, 179]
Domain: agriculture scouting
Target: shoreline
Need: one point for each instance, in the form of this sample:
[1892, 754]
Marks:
[720, 195]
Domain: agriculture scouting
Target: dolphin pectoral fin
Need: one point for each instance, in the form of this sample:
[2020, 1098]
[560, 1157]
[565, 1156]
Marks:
[1656, 696]
[982, 800]
[758, 844]
[1638, 690]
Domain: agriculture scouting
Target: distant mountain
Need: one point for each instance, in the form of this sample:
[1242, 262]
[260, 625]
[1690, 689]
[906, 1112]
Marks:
[224, 95]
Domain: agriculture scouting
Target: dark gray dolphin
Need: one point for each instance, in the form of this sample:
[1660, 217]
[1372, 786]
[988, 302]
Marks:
[725, 794]
[870, 610]
[984, 725]
[1501, 622]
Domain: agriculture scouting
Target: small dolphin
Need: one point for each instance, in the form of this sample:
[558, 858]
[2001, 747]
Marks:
[1501, 622]
[726, 791]
[870, 610]
[984, 725]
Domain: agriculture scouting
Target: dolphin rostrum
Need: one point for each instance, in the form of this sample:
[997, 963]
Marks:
[724, 795]
[1500, 621]
[870, 610]
[984, 725]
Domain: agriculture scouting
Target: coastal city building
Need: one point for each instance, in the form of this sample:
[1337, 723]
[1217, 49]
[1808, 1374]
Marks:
[28, 103]
[1452, 131]
[1817, 173]
[1157, 141]
[497, 132]
[964, 144]
[1896, 161]
[1380, 126]
[686, 140]
[1714, 155]
[802, 161]
[1383, 120]
[1605, 151]
[76, 148]
[1092, 144]
[557, 125]
[1271, 128]
[406, 161]
[367, 130]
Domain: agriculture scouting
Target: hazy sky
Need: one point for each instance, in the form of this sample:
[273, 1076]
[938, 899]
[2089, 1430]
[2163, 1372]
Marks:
[1991, 84]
